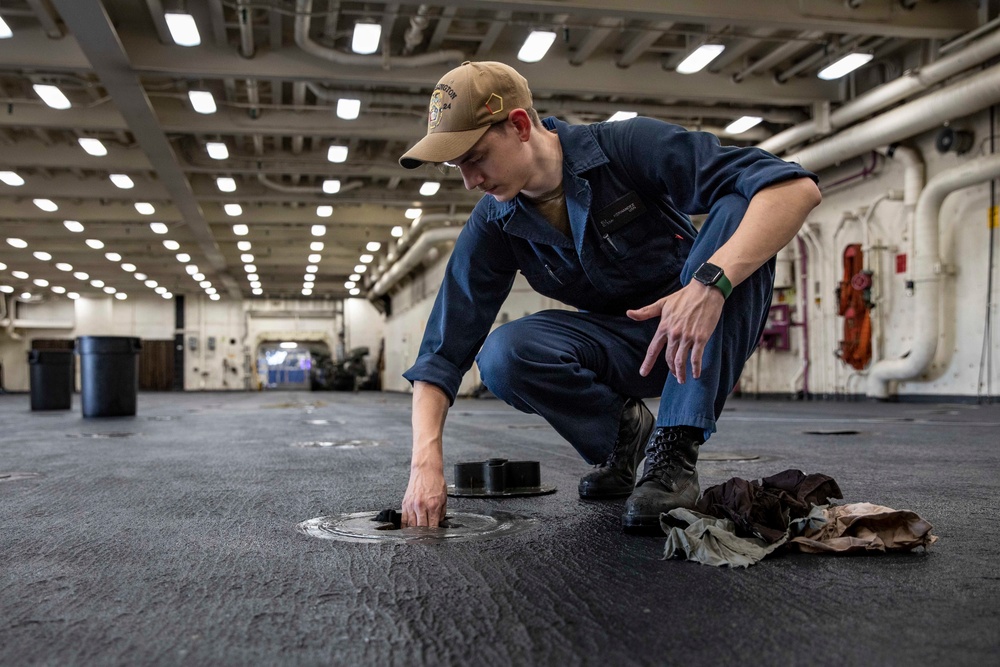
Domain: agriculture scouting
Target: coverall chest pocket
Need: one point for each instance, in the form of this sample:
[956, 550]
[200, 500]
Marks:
[623, 225]
[549, 273]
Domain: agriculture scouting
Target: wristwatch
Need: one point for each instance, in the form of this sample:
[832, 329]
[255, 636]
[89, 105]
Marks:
[714, 276]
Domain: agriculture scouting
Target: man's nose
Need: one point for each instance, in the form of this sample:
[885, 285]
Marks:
[471, 177]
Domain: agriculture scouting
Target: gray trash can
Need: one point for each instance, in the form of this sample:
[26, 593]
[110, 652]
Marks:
[51, 379]
[109, 375]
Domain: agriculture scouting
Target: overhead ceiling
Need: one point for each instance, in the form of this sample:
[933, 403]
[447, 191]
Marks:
[277, 69]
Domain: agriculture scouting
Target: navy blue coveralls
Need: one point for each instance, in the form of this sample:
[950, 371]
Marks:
[630, 187]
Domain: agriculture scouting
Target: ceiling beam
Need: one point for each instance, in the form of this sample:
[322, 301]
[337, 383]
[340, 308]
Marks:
[98, 40]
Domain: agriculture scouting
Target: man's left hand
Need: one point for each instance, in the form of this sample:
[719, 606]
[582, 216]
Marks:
[687, 319]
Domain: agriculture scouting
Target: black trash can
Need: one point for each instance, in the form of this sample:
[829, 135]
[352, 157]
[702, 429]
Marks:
[51, 377]
[109, 375]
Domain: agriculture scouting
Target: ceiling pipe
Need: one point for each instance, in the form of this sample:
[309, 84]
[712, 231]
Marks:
[783, 52]
[303, 189]
[927, 272]
[968, 96]
[247, 49]
[909, 84]
[303, 19]
[427, 242]
[415, 33]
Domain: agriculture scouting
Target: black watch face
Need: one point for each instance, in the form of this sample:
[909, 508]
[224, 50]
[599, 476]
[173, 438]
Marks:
[708, 274]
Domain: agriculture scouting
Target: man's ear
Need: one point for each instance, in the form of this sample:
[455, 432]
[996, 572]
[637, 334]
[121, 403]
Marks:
[522, 123]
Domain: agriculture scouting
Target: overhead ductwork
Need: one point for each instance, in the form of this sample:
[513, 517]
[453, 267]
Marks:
[888, 94]
[303, 20]
[413, 257]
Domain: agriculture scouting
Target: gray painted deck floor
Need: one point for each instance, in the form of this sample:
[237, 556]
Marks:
[170, 539]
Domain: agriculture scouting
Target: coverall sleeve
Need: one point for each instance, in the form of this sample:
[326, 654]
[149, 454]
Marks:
[693, 168]
[477, 280]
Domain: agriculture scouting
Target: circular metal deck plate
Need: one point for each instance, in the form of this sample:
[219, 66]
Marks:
[14, 476]
[99, 436]
[359, 527]
[339, 444]
[514, 492]
[728, 456]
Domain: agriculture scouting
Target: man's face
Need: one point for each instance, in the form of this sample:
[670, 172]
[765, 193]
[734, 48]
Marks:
[489, 166]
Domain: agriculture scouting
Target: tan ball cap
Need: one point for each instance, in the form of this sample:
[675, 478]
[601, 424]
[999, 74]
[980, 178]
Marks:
[465, 102]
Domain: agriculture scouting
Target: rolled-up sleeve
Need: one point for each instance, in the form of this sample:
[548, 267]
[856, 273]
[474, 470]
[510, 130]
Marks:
[477, 280]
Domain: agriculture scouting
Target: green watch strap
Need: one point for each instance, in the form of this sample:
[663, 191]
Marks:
[724, 286]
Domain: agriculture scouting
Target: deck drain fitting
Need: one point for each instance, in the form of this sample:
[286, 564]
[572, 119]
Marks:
[832, 432]
[458, 527]
[339, 444]
[498, 478]
[727, 456]
[15, 476]
[99, 436]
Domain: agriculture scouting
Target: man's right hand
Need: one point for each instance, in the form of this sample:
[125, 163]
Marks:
[426, 498]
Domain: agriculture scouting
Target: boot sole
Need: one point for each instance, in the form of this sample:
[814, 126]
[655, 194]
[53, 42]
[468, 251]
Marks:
[642, 525]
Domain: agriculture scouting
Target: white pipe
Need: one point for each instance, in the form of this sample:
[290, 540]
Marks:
[303, 18]
[427, 241]
[962, 99]
[927, 271]
[418, 227]
[896, 90]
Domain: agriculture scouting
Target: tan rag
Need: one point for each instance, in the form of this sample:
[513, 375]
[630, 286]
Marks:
[860, 527]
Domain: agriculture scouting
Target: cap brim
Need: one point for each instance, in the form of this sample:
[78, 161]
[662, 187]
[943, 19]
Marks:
[441, 147]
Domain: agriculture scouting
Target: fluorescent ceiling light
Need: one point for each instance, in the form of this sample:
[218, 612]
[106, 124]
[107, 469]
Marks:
[331, 186]
[158, 227]
[700, 58]
[306, 292]
[360, 268]
[168, 295]
[63, 266]
[233, 209]
[243, 245]
[41, 282]
[354, 276]
[214, 297]
[217, 150]
[81, 275]
[366, 37]
[160, 290]
[536, 46]
[140, 276]
[129, 268]
[373, 246]
[246, 258]
[366, 259]
[350, 284]
[25, 296]
[397, 232]
[44, 256]
[5, 31]
[95, 244]
[122, 181]
[93, 146]
[430, 188]
[318, 230]
[203, 101]
[171, 245]
[204, 284]
[97, 282]
[355, 292]
[316, 246]
[241, 230]
[312, 268]
[144, 208]
[113, 256]
[46, 205]
[845, 65]
[255, 284]
[183, 29]
[250, 268]
[413, 213]
[6, 289]
[52, 96]
[151, 284]
[12, 179]
[337, 153]
[742, 124]
[622, 115]
[20, 275]
[73, 295]
[324, 211]
[17, 243]
[108, 289]
[191, 269]
[308, 285]
[72, 225]
[348, 109]
[198, 277]
[309, 277]
[226, 184]
[257, 291]
[314, 258]
[183, 257]
[121, 296]
[58, 290]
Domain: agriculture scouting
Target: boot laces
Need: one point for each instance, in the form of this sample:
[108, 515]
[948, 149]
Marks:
[662, 457]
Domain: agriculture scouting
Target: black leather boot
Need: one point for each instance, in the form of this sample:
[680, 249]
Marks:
[615, 478]
[669, 479]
